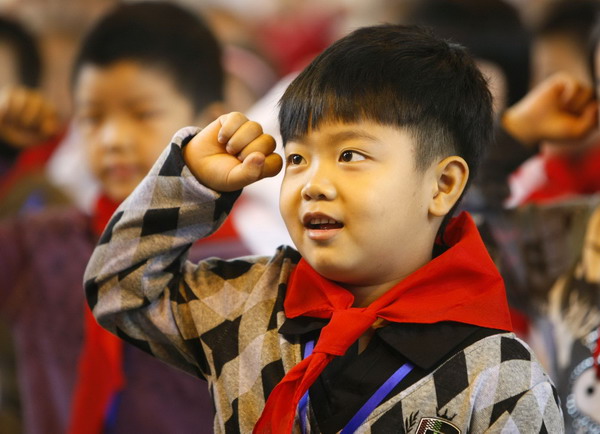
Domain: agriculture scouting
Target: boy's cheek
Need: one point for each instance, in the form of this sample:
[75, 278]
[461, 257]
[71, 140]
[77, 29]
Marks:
[93, 159]
[118, 191]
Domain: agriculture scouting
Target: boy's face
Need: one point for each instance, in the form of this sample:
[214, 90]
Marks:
[355, 205]
[127, 113]
[559, 52]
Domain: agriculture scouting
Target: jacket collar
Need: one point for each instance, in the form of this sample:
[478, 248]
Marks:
[425, 345]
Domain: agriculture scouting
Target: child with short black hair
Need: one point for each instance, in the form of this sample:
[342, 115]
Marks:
[144, 69]
[21, 53]
[162, 36]
[29, 123]
[384, 319]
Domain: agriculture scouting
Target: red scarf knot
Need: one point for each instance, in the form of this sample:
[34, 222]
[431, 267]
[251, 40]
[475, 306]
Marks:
[354, 322]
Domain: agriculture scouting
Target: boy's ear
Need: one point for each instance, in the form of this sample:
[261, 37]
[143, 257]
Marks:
[211, 112]
[451, 175]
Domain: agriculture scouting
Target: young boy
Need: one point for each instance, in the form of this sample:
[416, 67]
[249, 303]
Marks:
[142, 71]
[391, 321]
[29, 124]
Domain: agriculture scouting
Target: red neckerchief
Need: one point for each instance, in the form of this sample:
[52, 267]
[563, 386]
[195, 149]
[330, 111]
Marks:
[31, 160]
[462, 284]
[569, 176]
[100, 371]
[596, 355]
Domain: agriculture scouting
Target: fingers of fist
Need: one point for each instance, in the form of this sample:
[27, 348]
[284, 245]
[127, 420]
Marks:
[231, 153]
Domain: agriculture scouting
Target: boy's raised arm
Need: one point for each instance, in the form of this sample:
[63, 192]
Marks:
[138, 282]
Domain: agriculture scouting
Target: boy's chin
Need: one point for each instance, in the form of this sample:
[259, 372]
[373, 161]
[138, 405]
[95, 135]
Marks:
[334, 272]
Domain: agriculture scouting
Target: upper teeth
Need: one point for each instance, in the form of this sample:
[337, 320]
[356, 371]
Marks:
[322, 221]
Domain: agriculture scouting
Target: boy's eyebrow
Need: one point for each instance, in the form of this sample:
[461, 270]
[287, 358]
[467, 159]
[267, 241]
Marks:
[352, 134]
[135, 100]
[343, 136]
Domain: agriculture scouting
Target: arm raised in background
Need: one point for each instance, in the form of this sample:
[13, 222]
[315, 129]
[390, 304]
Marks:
[558, 109]
[138, 282]
[27, 118]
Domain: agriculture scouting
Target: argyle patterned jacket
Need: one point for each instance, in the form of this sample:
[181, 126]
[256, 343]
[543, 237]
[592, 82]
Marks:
[219, 320]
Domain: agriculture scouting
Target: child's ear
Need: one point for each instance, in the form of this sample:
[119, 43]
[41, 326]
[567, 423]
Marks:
[451, 175]
[211, 112]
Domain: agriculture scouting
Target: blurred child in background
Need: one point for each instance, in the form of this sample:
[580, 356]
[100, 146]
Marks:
[142, 72]
[30, 128]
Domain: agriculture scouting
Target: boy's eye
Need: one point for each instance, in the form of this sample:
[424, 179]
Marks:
[350, 156]
[295, 159]
[146, 114]
[89, 119]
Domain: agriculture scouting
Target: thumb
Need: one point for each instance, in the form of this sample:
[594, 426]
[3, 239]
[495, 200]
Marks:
[272, 166]
[50, 126]
[586, 122]
[249, 171]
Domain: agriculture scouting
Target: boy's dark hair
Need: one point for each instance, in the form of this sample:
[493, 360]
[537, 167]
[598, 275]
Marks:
[163, 35]
[25, 50]
[400, 76]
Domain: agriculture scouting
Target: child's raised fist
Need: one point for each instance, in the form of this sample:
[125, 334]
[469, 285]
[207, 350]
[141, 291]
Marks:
[558, 109]
[231, 153]
[27, 118]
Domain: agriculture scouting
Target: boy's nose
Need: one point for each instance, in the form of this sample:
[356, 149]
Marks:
[319, 187]
[115, 134]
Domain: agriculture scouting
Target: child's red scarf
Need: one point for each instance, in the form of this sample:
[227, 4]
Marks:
[462, 284]
[100, 375]
[568, 176]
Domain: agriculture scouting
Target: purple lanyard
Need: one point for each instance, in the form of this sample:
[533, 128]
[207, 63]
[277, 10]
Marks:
[368, 406]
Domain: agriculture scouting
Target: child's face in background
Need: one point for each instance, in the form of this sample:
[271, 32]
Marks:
[559, 52]
[355, 205]
[591, 248]
[127, 113]
[8, 71]
[596, 61]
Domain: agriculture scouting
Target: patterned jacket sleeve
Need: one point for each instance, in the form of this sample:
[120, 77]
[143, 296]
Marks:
[138, 282]
[516, 395]
[529, 413]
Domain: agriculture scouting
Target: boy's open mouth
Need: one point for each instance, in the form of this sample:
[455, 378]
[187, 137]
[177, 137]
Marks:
[323, 223]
